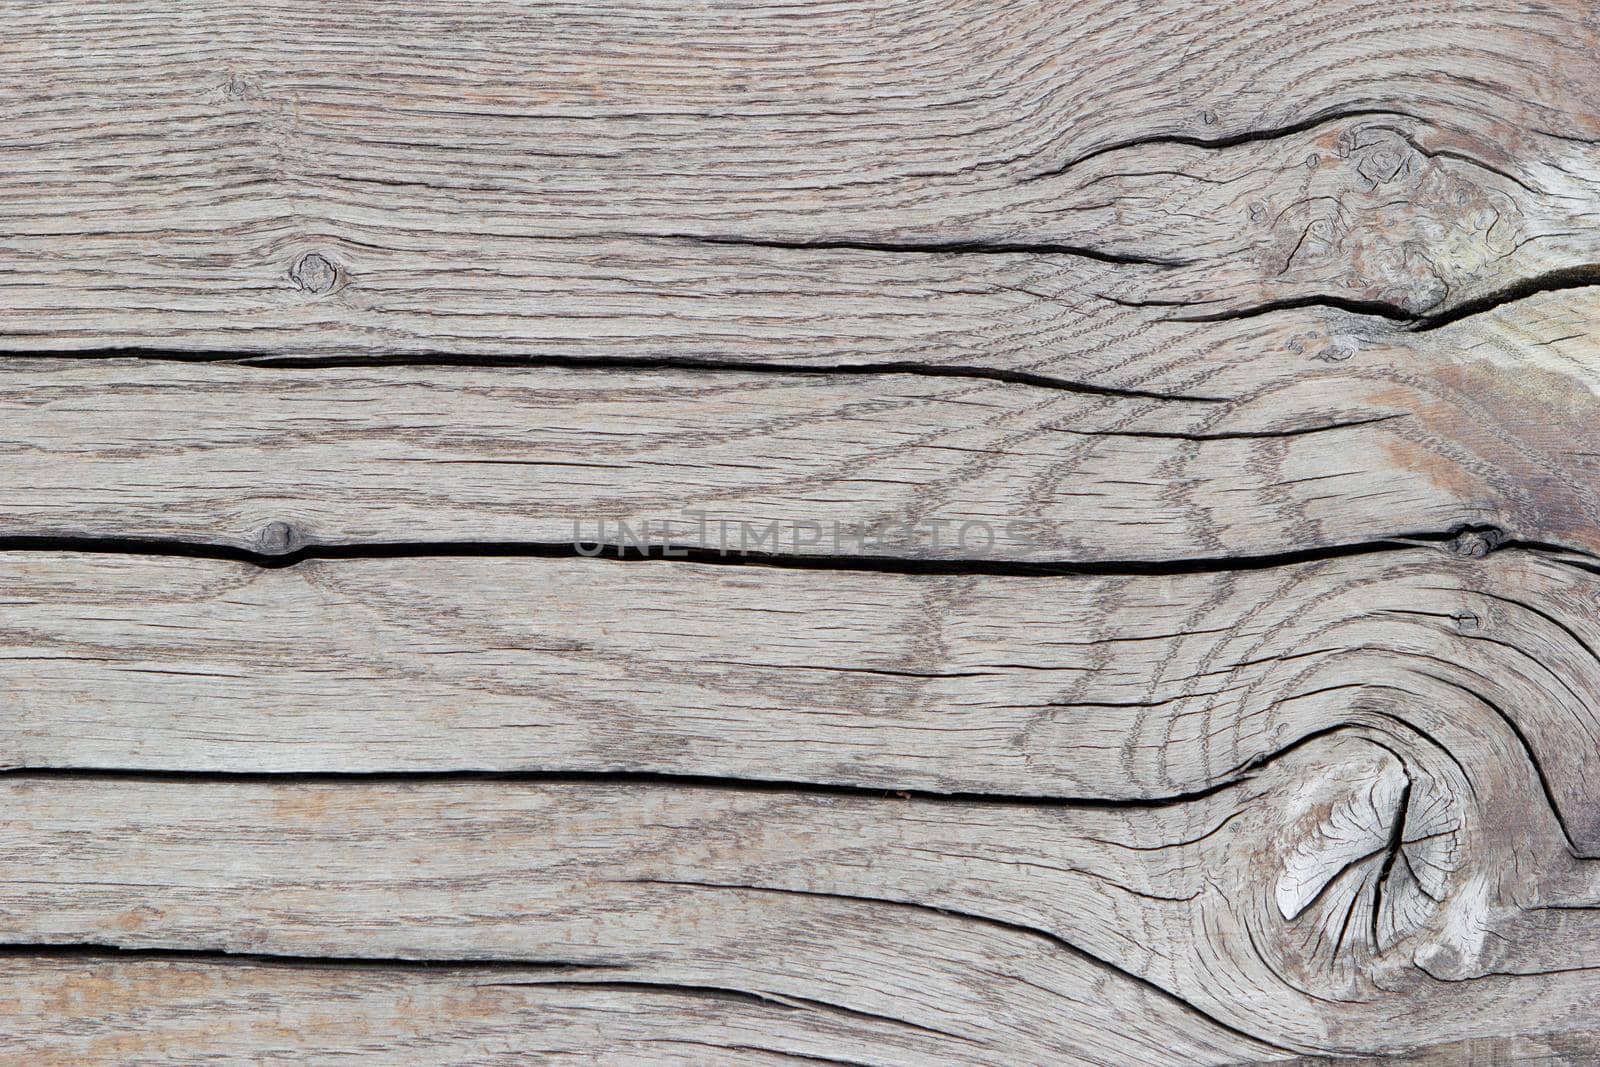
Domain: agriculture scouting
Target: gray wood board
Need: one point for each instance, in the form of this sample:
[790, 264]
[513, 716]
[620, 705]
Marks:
[1260, 338]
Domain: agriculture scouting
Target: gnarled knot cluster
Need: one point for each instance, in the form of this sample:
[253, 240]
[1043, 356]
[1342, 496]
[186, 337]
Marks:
[1395, 220]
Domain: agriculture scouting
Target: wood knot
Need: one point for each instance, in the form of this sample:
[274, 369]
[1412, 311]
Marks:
[1475, 544]
[1380, 154]
[314, 273]
[1381, 854]
[1367, 856]
[1381, 215]
[278, 539]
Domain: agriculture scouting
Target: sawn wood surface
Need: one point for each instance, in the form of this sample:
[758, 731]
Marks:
[866, 533]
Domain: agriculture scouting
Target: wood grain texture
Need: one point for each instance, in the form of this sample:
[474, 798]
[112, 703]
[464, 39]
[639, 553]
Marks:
[1260, 337]
[1296, 431]
[892, 985]
[137, 1011]
[160, 1011]
[1116, 687]
[1286, 905]
[1293, 799]
[522, 177]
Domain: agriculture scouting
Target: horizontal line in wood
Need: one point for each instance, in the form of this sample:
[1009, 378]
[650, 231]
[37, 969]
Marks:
[1319, 437]
[274, 177]
[742, 783]
[171, 1009]
[23, 952]
[1129, 688]
[287, 550]
[270, 358]
[1295, 883]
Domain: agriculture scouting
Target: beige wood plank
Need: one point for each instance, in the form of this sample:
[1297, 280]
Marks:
[516, 176]
[1264, 279]
[937, 991]
[1311, 432]
[1118, 687]
[1345, 896]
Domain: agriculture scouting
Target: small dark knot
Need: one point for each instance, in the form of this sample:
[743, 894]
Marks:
[278, 539]
[1476, 544]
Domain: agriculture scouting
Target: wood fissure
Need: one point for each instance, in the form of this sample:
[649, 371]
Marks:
[1463, 540]
[884, 465]
[820, 531]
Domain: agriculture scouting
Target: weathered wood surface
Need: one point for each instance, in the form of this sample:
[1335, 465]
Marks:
[121, 1010]
[452, 171]
[1274, 435]
[1269, 906]
[1331, 785]
[159, 1010]
[1269, 733]
[1108, 688]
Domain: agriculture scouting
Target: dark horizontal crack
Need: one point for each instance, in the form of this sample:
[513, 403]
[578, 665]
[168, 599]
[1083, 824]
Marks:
[1486, 538]
[718, 783]
[1561, 279]
[1573, 558]
[1234, 435]
[968, 248]
[1380, 308]
[1241, 774]
[272, 359]
[1231, 140]
[1552, 281]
